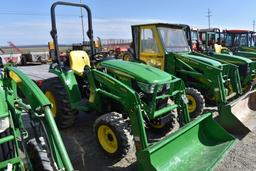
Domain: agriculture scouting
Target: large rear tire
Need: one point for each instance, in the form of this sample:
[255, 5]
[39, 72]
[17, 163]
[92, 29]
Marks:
[38, 156]
[127, 56]
[64, 115]
[113, 135]
[196, 102]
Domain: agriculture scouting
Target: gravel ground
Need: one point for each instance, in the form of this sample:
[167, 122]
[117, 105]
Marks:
[86, 154]
[84, 151]
[242, 156]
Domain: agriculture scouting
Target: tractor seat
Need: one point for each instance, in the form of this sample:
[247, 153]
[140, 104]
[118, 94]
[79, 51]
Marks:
[78, 59]
[217, 48]
[220, 48]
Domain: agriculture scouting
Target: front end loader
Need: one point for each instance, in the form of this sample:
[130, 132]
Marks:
[211, 40]
[21, 148]
[137, 105]
[165, 46]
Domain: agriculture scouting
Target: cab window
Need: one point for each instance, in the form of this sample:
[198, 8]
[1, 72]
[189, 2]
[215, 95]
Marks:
[148, 42]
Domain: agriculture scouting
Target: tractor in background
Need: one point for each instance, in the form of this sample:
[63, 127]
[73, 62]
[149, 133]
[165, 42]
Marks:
[39, 148]
[167, 46]
[212, 42]
[133, 101]
[241, 42]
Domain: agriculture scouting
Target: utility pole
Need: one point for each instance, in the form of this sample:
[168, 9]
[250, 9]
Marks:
[253, 25]
[209, 17]
[82, 21]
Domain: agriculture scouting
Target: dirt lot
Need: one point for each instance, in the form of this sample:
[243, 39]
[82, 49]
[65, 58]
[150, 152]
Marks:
[86, 155]
[85, 152]
[242, 156]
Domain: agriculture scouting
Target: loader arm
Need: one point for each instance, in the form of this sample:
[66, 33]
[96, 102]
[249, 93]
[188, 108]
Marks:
[160, 155]
[229, 71]
[204, 73]
[37, 105]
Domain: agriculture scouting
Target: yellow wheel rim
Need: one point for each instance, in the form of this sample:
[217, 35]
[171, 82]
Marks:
[158, 126]
[51, 98]
[126, 57]
[107, 139]
[191, 103]
[230, 89]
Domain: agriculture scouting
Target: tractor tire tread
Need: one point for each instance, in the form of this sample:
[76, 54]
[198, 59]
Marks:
[66, 116]
[199, 100]
[122, 130]
[38, 156]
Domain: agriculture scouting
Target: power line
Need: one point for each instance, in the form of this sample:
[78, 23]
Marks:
[209, 17]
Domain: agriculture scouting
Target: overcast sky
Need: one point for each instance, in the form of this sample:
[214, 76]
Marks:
[27, 22]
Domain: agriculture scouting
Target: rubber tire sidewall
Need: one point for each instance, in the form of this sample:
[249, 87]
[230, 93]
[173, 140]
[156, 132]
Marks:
[38, 157]
[199, 99]
[65, 115]
[124, 142]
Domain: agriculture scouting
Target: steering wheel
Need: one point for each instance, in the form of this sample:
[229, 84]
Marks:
[100, 57]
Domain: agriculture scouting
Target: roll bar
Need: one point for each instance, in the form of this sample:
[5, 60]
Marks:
[54, 28]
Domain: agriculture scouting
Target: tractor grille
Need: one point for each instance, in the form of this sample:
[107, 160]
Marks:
[7, 150]
[148, 98]
[244, 70]
[161, 103]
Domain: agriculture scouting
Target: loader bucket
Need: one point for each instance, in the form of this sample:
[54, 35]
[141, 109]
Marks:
[239, 117]
[197, 146]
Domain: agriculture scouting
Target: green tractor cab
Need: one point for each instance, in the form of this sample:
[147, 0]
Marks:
[166, 46]
[241, 43]
[18, 149]
[211, 40]
[137, 104]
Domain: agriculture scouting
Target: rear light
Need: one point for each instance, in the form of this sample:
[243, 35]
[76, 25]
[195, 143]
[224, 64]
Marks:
[39, 83]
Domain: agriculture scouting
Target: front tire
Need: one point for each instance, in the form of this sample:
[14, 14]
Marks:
[113, 134]
[39, 156]
[54, 90]
[196, 102]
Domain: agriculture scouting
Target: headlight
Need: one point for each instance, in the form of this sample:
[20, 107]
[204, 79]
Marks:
[4, 124]
[146, 88]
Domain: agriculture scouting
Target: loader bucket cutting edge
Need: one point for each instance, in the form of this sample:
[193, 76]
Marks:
[239, 118]
[197, 146]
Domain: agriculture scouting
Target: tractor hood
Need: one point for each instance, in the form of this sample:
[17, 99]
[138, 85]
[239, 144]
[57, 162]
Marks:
[234, 59]
[248, 49]
[248, 54]
[203, 59]
[137, 71]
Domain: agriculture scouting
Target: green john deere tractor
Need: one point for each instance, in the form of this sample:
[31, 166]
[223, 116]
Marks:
[42, 148]
[165, 46]
[241, 42]
[211, 41]
[134, 101]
